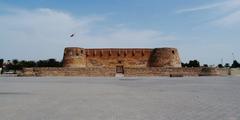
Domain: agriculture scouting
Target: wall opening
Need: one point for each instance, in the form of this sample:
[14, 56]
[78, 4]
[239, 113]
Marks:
[119, 70]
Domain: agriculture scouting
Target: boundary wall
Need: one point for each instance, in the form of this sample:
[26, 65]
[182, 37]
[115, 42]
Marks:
[128, 72]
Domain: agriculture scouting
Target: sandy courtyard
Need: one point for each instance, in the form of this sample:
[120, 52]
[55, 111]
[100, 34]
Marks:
[72, 98]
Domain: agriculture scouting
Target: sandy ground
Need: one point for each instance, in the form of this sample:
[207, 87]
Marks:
[64, 98]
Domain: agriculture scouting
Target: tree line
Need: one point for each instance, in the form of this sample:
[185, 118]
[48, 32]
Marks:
[19, 65]
[191, 63]
[235, 64]
[196, 63]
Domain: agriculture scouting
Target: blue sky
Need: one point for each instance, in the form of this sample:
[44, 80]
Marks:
[207, 30]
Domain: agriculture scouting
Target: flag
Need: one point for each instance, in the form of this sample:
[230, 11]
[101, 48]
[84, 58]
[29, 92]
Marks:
[72, 35]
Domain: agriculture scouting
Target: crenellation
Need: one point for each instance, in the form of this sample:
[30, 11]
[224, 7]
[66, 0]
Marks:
[130, 57]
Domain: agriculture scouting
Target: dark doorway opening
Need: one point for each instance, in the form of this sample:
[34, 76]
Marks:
[119, 70]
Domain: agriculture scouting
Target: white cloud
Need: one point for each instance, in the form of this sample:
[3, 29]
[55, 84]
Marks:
[43, 33]
[229, 20]
[230, 5]
[222, 6]
[199, 8]
[227, 13]
[124, 37]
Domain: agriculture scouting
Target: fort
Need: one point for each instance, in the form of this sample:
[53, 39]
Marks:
[128, 62]
[114, 57]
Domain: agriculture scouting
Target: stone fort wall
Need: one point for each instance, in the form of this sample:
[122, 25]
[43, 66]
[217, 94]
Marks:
[128, 72]
[127, 57]
[133, 62]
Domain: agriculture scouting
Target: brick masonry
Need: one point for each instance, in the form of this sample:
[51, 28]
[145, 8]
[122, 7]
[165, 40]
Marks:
[122, 62]
[126, 57]
[128, 72]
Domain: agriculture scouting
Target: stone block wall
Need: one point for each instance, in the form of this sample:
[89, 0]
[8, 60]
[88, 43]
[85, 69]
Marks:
[235, 71]
[117, 57]
[84, 72]
[126, 57]
[165, 57]
[158, 71]
[128, 72]
[74, 57]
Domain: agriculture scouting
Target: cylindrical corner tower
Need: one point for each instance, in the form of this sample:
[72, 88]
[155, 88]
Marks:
[165, 57]
[74, 57]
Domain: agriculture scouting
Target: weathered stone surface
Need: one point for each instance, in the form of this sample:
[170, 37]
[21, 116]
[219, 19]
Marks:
[112, 57]
[128, 72]
[122, 62]
[74, 57]
[165, 57]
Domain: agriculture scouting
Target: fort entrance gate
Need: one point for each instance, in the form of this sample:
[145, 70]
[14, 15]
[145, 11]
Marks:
[119, 70]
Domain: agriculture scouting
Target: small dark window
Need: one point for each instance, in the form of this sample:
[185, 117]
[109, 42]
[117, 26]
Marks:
[77, 54]
[173, 52]
[81, 51]
[119, 62]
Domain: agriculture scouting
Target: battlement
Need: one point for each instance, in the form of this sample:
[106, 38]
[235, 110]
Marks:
[121, 52]
[127, 57]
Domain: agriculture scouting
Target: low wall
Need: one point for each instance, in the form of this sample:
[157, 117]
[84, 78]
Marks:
[128, 72]
[176, 72]
[85, 72]
[161, 71]
[235, 71]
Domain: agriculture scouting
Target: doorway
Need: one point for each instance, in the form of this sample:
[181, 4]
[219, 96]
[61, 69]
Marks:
[119, 70]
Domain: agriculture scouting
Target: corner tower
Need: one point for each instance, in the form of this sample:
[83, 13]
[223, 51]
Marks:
[74, 57]
[165, 57]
